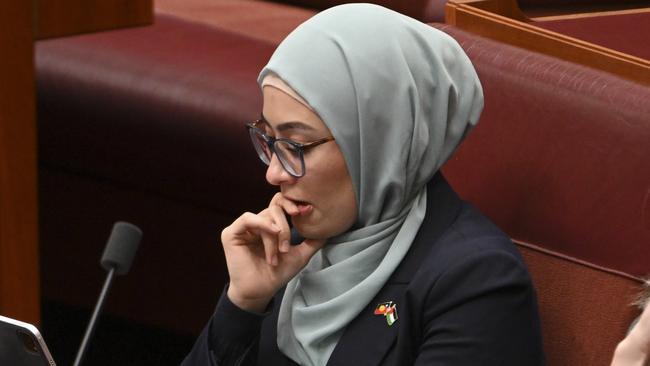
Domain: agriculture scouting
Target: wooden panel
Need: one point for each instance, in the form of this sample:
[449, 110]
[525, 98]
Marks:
[570, 8]
[507, 8]
[525, 35]
[55, 18]
[19, 270]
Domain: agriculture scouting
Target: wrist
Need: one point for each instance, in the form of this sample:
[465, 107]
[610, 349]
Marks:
[252, 305]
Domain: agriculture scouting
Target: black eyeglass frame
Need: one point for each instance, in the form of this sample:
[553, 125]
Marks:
[270, 142]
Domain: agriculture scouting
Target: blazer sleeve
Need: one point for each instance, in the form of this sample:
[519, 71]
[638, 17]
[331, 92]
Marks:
[482, 310]
[230, 338]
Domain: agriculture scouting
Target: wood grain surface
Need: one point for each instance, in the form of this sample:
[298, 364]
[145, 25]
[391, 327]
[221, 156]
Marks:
[19, 268]
[55, 18]
[465, 15]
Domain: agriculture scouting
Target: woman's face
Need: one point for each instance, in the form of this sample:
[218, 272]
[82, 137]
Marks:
[325, 195]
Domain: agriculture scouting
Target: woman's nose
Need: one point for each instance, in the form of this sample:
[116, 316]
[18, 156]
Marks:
[275, 173]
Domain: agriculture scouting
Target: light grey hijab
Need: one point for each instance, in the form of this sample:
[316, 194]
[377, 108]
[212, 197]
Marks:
[398, 96]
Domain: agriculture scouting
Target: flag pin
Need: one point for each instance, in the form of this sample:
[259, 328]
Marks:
[389, 310]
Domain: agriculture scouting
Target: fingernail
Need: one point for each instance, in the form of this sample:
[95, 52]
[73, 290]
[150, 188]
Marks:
[285, 246]
[274, 260]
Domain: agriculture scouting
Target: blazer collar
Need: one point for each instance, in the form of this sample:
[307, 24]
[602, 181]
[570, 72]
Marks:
[443, 206]
[368, 337]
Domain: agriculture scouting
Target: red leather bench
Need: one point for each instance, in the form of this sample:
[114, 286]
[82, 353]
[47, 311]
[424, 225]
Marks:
[560, 160]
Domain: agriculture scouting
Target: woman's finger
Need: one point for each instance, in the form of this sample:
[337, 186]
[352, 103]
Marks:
[246, 224]
[270, 242]
[279, 219]
[287, 205]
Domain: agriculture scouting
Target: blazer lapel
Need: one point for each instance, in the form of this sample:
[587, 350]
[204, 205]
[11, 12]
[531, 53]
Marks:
[368, 338]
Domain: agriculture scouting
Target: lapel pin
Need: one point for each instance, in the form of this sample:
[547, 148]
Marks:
[389, 310]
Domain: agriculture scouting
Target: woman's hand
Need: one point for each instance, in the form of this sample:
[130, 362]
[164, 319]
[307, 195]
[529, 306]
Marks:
[259, 256]
[634, 350]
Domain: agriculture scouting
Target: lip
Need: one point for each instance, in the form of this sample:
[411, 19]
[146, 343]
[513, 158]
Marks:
[297, 201]
[304, 207]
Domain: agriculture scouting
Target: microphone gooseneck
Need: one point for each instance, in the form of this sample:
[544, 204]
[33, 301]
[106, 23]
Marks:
[117, 259]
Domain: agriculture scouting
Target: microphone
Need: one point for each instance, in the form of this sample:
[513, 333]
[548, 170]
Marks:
[116, 259]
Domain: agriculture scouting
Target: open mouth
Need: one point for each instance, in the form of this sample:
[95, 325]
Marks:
[303, 206]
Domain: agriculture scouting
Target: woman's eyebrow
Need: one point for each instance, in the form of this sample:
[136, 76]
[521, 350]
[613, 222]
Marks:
[293, 125]
[289, 125]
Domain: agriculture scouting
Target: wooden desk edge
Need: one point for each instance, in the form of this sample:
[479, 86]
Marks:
[465, 15]
[58, 18]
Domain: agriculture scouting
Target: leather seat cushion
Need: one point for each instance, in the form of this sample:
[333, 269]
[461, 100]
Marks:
[159, 108]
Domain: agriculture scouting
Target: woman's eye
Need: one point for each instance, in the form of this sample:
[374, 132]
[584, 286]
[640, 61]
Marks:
[293, 148]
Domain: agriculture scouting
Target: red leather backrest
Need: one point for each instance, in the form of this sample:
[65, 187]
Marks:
[585, 309]
[561, 159]
[561, 156]
[161, 108]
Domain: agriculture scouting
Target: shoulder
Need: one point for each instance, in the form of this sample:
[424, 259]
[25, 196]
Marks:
[472, 301]
[473, 255]
[471, 237]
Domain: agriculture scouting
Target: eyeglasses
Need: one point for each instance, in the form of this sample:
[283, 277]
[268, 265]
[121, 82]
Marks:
[289, 153]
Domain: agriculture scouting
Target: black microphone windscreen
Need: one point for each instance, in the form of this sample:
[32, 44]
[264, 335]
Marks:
[121, 247]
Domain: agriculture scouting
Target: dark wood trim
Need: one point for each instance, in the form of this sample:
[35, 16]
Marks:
[465, 15]
[507, 8]
[590, 14]
[56, 18]
[19, 265]
[555, 9]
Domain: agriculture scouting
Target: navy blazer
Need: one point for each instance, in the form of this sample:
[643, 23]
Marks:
[463, 297]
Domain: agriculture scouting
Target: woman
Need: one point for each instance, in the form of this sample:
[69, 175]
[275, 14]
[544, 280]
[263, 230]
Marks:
[362, 106]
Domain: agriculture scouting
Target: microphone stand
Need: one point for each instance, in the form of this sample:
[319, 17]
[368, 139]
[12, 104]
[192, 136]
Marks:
[117, 258]
[91, 325]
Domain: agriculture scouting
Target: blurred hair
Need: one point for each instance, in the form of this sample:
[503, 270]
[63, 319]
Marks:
[643, 298]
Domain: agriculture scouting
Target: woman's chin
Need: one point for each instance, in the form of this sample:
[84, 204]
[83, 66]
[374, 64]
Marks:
[308, 229]
[305, 230]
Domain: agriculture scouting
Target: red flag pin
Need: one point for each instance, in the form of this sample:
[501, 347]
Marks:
[389, 310]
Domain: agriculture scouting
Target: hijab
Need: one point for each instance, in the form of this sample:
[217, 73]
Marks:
[398, 96]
